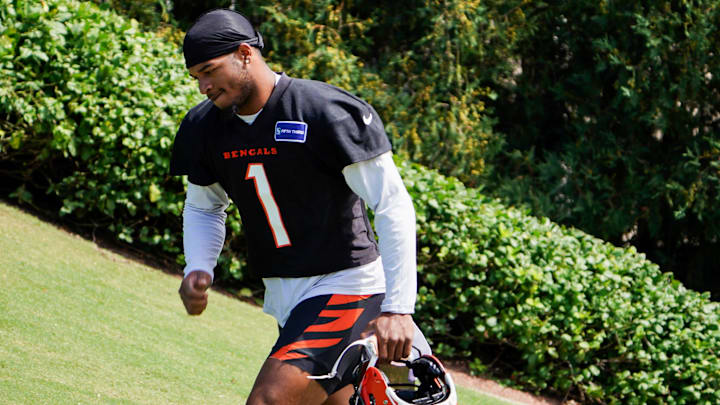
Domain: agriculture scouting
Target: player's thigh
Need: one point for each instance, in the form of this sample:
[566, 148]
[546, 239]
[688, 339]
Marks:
[280, 382]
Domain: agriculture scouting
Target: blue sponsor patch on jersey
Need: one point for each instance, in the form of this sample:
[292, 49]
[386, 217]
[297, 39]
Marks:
[290, 131]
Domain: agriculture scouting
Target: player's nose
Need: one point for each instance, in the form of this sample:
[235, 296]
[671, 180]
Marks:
[204, 86]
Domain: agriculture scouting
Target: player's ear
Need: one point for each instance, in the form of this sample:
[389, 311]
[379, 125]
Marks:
[244, 53]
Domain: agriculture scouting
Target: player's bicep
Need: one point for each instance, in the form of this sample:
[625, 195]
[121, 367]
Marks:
[374, 180]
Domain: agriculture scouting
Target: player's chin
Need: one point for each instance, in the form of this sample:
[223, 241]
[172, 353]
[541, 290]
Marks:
[220, 100]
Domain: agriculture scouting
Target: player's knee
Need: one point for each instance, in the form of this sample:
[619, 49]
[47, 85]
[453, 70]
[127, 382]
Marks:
[286, 391]
[265, 394]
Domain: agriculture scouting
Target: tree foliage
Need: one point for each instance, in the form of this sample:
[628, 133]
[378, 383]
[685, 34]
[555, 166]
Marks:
[614, 126]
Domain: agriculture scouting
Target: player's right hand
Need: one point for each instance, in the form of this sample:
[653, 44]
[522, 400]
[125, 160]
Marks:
[193, 291]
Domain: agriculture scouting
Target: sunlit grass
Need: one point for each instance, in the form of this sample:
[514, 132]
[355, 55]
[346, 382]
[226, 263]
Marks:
[83, 325]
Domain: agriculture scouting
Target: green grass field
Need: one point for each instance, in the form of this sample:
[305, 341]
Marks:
[83, 325]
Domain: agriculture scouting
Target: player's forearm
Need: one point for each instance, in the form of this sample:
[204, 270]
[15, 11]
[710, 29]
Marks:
[203, 239]
[395, 226]
[203, 227]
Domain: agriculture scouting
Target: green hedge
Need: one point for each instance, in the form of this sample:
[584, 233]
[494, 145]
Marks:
[568, 313]
[90, 104]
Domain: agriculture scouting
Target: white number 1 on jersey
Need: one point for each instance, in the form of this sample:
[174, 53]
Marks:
[256, 171]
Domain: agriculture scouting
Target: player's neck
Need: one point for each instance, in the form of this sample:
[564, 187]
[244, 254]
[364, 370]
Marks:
[264, 85]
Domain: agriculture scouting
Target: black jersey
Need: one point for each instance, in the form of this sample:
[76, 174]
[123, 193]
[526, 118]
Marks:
[284, 173]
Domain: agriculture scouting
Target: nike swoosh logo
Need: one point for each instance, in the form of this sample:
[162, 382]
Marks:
[367, 119]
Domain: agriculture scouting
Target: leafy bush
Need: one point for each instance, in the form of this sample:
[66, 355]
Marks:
[613, 126]
[90, 106]
[565, 312]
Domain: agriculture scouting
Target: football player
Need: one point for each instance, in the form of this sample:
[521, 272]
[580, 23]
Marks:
[299, 159]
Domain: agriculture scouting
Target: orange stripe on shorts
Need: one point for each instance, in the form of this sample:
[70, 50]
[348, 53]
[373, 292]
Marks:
[339, 299]
[345, 320]
[283, 353]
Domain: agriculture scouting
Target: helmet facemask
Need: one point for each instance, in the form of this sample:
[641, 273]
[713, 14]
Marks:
[427, 382]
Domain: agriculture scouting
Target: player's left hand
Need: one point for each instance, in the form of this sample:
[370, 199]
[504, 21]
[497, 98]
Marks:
[394, 334]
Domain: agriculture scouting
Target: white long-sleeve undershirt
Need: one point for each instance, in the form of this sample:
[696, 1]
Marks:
[204, 226]
[378, 183]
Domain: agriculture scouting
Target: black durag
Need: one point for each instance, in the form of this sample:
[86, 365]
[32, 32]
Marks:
[217, 33]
